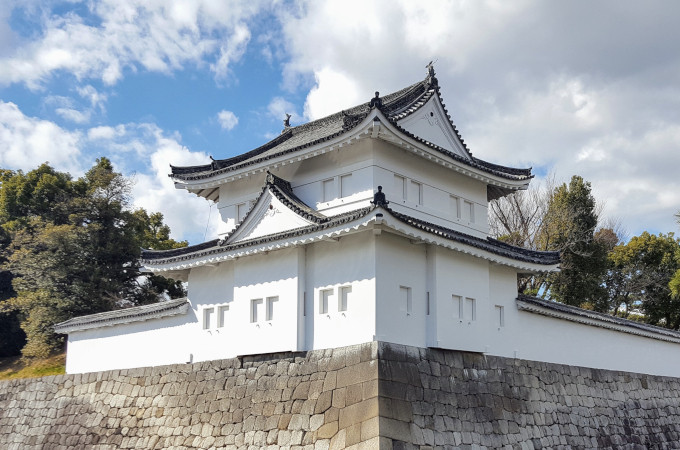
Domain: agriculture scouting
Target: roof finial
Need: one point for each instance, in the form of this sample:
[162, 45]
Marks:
[431, 78]
[379, 198]
[286, 121]
[376, 101]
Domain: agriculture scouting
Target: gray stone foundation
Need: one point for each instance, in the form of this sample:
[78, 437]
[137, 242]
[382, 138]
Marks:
[370, 396]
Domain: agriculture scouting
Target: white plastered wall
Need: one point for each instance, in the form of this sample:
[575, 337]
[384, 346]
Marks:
[438, 185]
[140, 344]
[332, 267]
[401, 290]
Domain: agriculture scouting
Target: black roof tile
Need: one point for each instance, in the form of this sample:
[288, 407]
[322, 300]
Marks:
[395, 106]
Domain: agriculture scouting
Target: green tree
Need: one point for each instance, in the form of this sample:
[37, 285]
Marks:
[645, 268]
[72, 247]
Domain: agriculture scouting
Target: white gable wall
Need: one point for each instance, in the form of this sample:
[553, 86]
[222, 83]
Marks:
[431, 123]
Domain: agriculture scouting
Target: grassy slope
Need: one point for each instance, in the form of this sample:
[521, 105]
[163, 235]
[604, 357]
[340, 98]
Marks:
[15, 368]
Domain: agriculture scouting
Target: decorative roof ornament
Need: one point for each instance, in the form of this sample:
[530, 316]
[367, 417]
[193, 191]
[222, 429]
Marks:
[376, 102]
[286, 122]
[431, 78]
[379, 198]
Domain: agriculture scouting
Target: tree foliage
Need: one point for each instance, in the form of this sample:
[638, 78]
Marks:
[71, 247]
[644, 277]
[639, 279]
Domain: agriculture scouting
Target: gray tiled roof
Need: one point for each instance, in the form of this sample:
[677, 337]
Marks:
[395, 106]
[127, 315]
[154, 257]
[607, 318]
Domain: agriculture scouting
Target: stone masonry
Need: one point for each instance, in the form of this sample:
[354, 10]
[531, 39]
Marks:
[370, 396]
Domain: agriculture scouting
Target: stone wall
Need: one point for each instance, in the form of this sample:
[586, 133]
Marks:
[319, 400]
[448, 399]
[370, 396]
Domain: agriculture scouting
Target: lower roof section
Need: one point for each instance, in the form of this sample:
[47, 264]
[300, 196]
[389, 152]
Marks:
[127, 315]
[374, 217]
[571, 313]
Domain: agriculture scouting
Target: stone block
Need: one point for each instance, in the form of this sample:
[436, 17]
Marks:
[358, 412]
[328, 430]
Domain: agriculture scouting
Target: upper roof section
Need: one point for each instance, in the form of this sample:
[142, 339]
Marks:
[396, 107]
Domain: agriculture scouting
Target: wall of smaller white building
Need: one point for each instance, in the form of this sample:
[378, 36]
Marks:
[158, 342]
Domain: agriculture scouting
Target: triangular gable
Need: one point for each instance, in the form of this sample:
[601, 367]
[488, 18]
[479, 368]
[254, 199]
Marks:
[268, 216]
[431, 123]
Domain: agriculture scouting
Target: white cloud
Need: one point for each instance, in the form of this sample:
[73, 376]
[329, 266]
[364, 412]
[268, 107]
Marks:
[227, 119]
[26, 142]
[524, 88]
[155, 35]
[188, 216]
[96, 99]
[73, 115]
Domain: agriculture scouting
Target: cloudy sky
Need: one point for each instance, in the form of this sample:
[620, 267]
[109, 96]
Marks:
[566, 87]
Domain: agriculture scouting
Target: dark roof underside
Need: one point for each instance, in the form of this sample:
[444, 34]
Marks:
[394, 106]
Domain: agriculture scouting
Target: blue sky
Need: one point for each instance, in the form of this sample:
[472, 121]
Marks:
[565, 87]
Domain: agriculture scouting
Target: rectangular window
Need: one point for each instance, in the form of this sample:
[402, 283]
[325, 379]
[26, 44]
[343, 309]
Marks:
[329, 190]
[345, 185]
[222, 315]
[457, 306]
[400, 187]
[500, 316]
[343, 299]
[415, 192]
[470, 207]
[270, 307]
[208, 318]
[304, 303]
[455, 206]
[255, 310]
[428, 304]
[324, 299]
[241, 211]
[470, 309]
[405, 298]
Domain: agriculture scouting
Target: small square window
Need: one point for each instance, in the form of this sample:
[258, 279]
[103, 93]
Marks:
[500, 316]
[457, 306]
[345, 185]
[208, 314]
[270, 307]
[470, 309]
[324, 298]
[455, 206]
[470, 207]
[400, 186]
[405, 298]
[222, 315]
[343, 300]
[255, 310]
[416, 192]
[329, 192]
